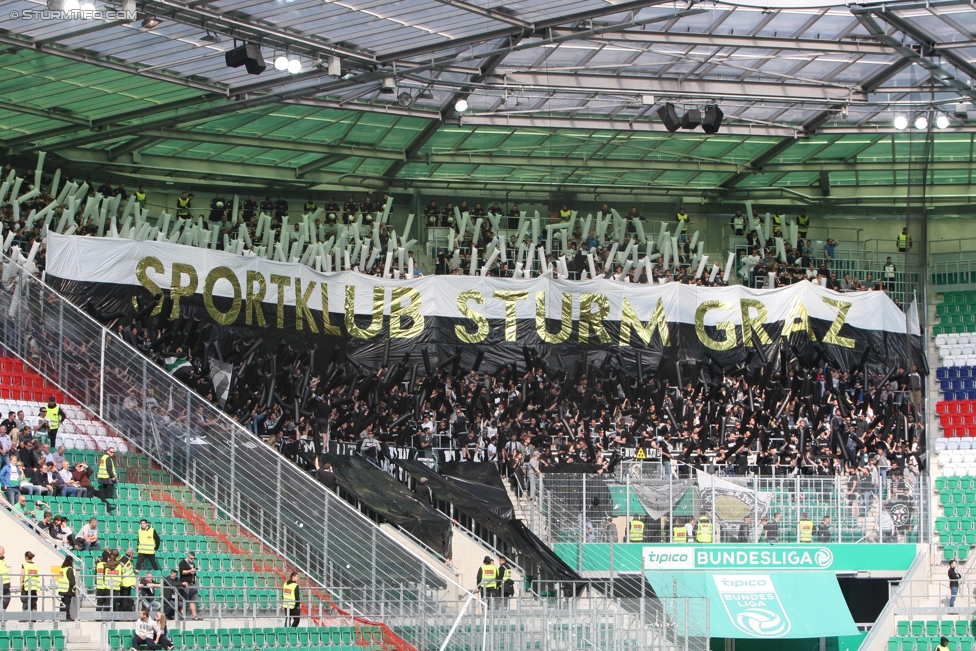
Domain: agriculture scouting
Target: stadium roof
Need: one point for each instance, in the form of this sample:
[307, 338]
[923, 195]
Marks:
[562, 95]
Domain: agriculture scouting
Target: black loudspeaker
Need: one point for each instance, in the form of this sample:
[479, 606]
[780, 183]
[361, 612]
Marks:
[669, 117]
[691, 119]
[247, 55]
[825, 183]
[713, 119]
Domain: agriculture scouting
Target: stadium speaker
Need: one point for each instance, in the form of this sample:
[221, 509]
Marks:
[825, 183]
[669, 117]
[247, 55]
[713, 119]
[691, 119]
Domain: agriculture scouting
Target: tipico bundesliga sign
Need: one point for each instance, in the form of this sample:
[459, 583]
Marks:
[737, 557]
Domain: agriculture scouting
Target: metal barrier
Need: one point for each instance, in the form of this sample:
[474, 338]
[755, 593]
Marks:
[574, 508]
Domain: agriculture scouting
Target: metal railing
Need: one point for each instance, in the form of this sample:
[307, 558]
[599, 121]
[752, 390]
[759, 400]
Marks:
[574, 509]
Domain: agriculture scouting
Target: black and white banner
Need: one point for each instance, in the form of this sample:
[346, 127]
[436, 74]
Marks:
[248, 296]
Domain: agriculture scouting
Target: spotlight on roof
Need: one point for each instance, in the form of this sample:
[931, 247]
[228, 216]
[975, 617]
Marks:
[294, 66]
[281, 63]
[404, 99]
[901, 122]
[461, 105]
[670, 117]
[71, 5]
[149, 23]
[942, 122]
[921, 123]
[88, 6]
[210, 38]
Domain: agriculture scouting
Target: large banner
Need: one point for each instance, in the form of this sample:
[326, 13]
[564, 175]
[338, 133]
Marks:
[369, 317]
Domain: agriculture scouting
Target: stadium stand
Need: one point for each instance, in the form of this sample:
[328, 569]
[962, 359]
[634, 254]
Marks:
[924, 635]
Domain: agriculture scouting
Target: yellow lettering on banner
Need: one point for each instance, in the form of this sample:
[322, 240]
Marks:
[144, 265]
[640, 453]
[254, 299]
[593, 321]
[223, 318]
[327, 327]
[797, 320]
[301, 307]
[177, 289]
[375, 324]
[565, 323]
[630, 321]
[833, 334]
[752, 324]
[726, 326]
[281, 282]
[412, 311]
[510, 298]
[480, 322]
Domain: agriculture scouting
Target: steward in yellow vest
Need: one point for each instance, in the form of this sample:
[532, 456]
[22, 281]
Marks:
[636, 533]
[148, 544]
[704, 533]
[4, 581]
[806, 529]
[488, 580]
[679, 534]
[67, 587]
[291, 600]
[30, 583]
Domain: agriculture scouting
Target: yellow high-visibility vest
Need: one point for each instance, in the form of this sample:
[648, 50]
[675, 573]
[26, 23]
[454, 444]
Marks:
[288, 594]
[679, 535]
[806, 531]
[803, 220]
[636, 533]
[4, 573]
[902, 241]
[704, 534]
[54, 417]
[128, 575]
[103, 468]
[147, 541]
[488, 574]
[113, 577]
[64, 585]
[32, 578]
[100, 575]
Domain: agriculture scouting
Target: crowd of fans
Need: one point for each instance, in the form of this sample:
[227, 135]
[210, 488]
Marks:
[538, 419]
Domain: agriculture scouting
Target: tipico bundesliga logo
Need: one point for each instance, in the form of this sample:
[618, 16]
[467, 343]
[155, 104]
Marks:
[735, 557]
[752, 604]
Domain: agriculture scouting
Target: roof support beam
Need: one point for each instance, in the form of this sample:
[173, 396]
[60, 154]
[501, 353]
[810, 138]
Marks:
[50, 114]
[257, 174]
[770, 92]
[136, 144]
[920, 36]
[752, 42]
[302, 170]
[446, 113]
[455, 44]
[606, 124]
[494, 14]
[937, 73]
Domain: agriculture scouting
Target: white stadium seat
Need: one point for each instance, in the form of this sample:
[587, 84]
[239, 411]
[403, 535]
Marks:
[964, 338]
[940, 445]
[965, 444]
[940, 340]
[952, 444]
[952, 340]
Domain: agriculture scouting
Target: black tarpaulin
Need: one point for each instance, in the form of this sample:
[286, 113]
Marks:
[491, 508]
[484, 472]
[392, 500]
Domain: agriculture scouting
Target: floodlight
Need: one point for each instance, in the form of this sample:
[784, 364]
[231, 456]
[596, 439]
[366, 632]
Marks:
[901, 122]
[281, 63]
[921, 123]
[942, 121]
[148, 23]
[294, 66]
[461, 105]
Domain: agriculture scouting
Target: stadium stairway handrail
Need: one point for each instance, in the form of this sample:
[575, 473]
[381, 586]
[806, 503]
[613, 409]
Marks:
[884, 625]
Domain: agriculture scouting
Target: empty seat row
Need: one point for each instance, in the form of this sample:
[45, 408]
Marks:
[33, 640]
[952, 444]
[955, 372]
[929, 643]
[958, 470]
[932, 627]
[249, 638]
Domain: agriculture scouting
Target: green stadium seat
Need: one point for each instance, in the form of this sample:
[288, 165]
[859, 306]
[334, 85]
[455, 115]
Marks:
[918, 627]
[947, 627]
[932, 627]
[962, 553]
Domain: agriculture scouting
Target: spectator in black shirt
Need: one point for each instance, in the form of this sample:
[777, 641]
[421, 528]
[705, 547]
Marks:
[250, 207]
[281, 208]
[267, 206]
[327, 477]
[188, 582]
[106, 190]
[217, 207]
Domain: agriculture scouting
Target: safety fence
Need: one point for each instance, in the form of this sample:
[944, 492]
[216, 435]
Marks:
[582, 509]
